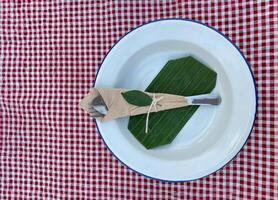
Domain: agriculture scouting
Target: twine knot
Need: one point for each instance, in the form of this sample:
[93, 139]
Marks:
[153, 104]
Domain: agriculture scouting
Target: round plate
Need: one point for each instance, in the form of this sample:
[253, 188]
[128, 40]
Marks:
[215, 134]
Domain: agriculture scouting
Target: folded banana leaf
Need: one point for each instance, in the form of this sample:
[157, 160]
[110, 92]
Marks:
[184, 76]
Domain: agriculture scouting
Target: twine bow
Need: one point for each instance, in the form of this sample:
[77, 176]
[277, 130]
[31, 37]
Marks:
[153, 104]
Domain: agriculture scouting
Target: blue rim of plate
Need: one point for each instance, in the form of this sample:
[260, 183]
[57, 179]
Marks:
[249, 66]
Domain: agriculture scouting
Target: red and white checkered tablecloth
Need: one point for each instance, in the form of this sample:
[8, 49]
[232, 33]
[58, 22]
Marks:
[50, 52]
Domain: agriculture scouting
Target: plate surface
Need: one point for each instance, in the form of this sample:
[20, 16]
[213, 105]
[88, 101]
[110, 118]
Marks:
[214, 135]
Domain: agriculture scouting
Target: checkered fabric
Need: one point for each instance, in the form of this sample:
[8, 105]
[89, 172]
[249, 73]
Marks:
[50, 52]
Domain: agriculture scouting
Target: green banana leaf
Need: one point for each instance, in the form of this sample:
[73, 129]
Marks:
[184, 76]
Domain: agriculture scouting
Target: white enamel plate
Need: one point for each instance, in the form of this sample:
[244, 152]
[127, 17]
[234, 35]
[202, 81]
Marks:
[215, 134]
